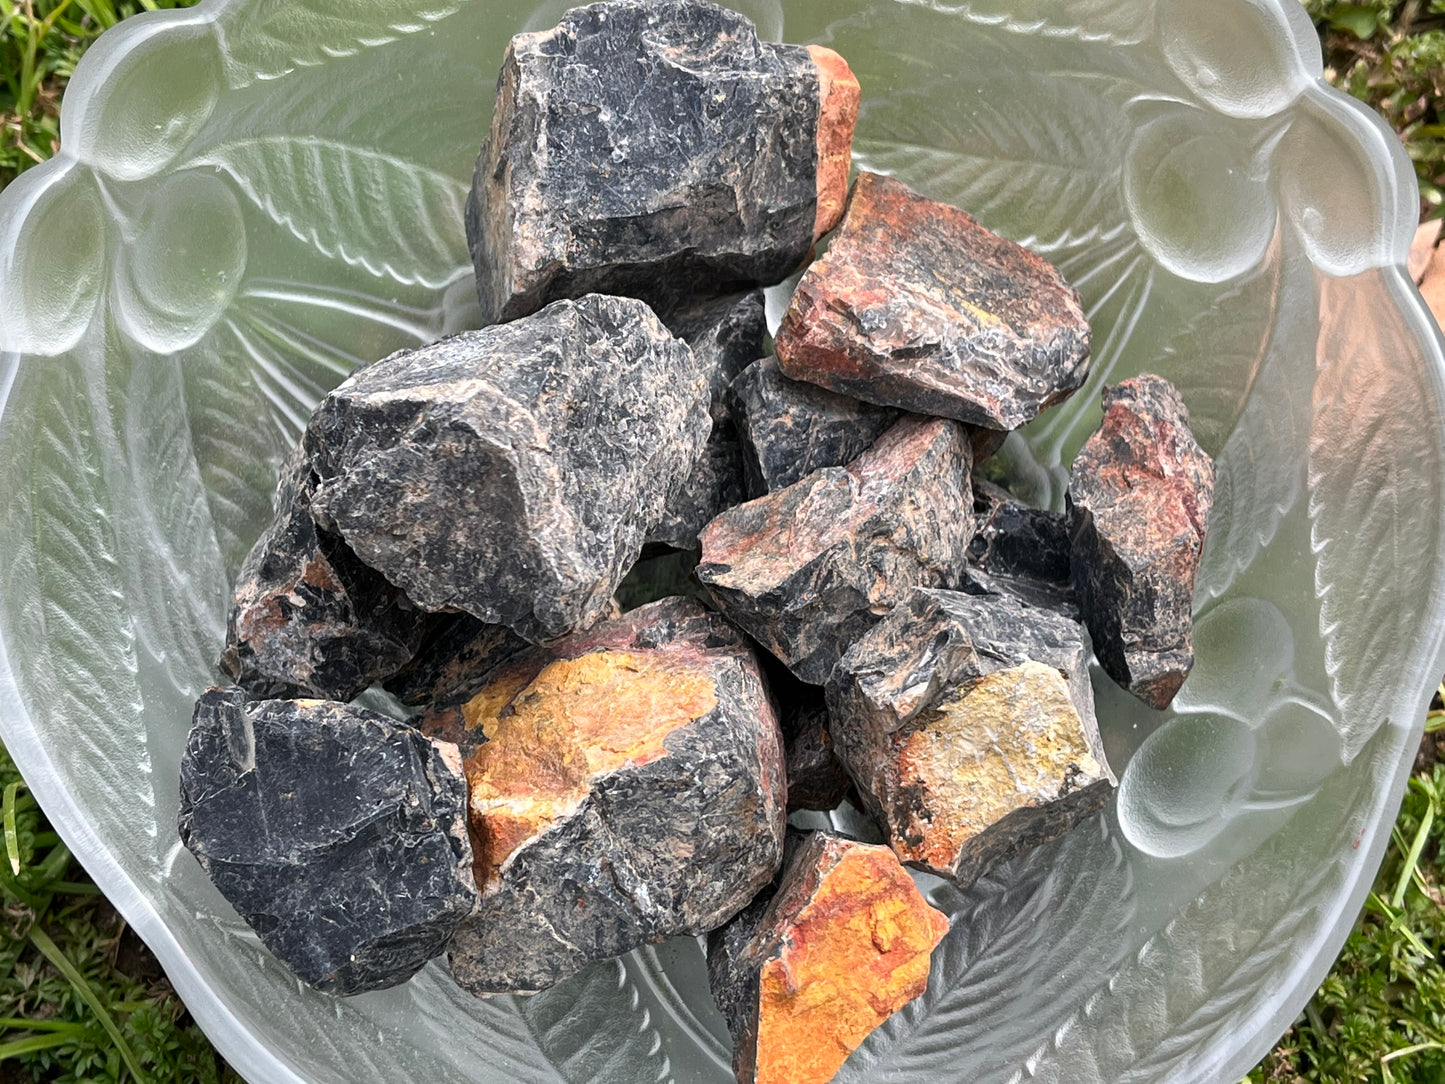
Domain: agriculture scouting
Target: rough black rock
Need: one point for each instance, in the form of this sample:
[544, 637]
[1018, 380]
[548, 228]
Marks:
[817, 779]
[339, 835]
[451, 666]
[513, 473]
[631, 789]
[650, 148]
[727, 335]
[968, 724]
[1138, 504]
[789, 428]
[807, 570]
[307, 617]
[1020, 550]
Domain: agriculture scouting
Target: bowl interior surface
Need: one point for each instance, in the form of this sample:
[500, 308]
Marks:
[252, 198]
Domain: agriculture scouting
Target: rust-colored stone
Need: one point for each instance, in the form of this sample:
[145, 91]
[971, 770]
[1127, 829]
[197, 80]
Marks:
[805, 975]
[807, 570]
[630, 788]
[916, 305]
[841, 96]
[1139, 501]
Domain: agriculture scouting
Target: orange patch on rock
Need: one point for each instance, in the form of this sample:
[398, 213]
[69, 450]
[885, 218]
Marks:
[550, 736]
[840, 97]
[856, 953]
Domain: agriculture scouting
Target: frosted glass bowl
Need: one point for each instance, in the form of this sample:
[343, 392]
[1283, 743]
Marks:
[254, 196]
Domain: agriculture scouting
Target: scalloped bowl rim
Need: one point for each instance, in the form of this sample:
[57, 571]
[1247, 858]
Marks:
[229, 1033]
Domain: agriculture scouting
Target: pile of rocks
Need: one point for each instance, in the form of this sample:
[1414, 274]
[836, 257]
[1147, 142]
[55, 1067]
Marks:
[458, 519]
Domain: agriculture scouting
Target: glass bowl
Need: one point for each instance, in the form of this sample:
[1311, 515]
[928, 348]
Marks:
[254, 196]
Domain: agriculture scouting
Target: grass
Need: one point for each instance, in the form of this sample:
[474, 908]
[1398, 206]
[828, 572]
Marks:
[81, 999]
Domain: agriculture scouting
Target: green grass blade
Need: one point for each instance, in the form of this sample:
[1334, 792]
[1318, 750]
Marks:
[1412, 860]
[31, 1045]
[41, 940]
[19, 1023]
[12, 835]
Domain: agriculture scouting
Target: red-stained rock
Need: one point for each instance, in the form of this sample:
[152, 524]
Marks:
[807, 570]
[916, 305]
[630, 788]
[840, 97]
[1138, 504]
[808, 971]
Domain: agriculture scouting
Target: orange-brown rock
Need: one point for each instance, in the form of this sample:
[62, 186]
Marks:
[840, 97]
[806, 973]
[809, 569]
[1139, 500]
[630, 788]
[916, 305]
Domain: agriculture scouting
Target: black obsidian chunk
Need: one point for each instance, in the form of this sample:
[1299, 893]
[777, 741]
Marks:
[513, 473]
[339, 835]
[789, 428]
[656, 149]
[307, 617]
[727, 335]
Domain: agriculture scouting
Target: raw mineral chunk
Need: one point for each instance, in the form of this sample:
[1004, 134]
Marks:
[1020, 550]
[968, 724]
[338, 834]
[656, 149]
[513, 473]
[817, 779]
[451, 667]
[807, 570]
[631, 788]
[804, 975]
[1138, 505]
[917, 306]
[727, 336]
[789, 429]
[307, 617]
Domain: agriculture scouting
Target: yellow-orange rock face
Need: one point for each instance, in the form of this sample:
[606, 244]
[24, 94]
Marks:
[630, 788]
[843, 945]
[578, 720]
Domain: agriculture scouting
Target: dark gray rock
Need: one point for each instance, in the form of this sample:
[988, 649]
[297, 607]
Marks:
[1020, 550]
[339, 835]
[817, 779]
[1138, 504]
[453, 664]
[307, 617]
[513, 473]
[631, 789]
[807, 570]
[727, 335]
[968, 724]
[918, 306]
[789, 428]
[652, 148]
